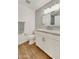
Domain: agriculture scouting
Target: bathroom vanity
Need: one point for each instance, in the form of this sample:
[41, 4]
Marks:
[49, 42]
[48, 32]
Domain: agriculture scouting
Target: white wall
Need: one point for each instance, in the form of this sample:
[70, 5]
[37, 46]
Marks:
[28, 16]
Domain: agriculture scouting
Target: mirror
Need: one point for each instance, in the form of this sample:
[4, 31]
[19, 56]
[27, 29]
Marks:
[51, 19]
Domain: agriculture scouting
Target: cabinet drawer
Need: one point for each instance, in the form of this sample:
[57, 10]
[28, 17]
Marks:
[48, 35]
[51, 36]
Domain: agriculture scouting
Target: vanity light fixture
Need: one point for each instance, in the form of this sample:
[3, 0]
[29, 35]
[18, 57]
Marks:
[53, 8]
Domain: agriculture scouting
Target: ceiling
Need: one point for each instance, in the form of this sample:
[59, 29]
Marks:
[34, 4]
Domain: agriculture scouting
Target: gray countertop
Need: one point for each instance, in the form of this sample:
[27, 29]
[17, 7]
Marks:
[55, 32]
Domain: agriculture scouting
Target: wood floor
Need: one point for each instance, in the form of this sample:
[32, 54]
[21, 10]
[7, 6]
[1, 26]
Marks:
[26, 51]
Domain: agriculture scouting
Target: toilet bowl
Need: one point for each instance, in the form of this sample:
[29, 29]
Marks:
[31, 39]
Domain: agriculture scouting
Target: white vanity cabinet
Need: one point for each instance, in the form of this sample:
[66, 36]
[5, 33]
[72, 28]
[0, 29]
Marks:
[49, 43]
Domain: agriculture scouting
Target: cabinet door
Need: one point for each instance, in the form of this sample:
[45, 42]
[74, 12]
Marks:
[51, 45]
[39, 41]
[52, 48]
[48, 43]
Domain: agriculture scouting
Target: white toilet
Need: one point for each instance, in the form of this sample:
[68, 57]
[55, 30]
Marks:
[31, 38]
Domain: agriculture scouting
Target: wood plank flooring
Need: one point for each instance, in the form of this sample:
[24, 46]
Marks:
[26, 51]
